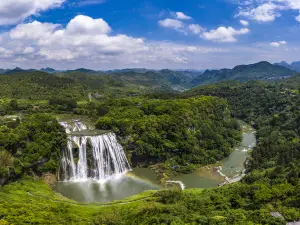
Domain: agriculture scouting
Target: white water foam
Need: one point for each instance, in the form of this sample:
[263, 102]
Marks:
[180, 183]
[106, 158]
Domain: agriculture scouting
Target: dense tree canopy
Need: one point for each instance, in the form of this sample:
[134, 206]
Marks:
[184, 131]
[32, 144]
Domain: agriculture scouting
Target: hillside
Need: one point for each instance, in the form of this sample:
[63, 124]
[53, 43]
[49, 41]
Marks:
[39, 85]
[296, 66]
[257, 71]
[270, 188]
[79, 83]
[293, 65]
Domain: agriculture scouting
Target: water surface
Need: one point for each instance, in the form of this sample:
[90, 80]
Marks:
[142, 179]
[116, 188]
[231, 166]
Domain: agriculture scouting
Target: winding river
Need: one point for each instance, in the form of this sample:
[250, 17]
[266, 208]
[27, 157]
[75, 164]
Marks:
[141, 179]
[231, 167]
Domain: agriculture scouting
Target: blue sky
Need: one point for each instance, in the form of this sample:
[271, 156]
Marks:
[110, 34]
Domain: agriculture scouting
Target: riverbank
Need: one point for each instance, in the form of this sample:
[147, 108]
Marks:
[227, 171]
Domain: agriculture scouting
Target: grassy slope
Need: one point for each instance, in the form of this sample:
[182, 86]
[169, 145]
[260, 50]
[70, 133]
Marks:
[33, 202]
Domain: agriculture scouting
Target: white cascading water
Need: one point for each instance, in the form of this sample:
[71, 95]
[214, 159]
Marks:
[107, 158]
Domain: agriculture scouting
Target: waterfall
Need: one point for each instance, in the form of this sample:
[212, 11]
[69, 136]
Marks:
[75, 126]
[91, 157]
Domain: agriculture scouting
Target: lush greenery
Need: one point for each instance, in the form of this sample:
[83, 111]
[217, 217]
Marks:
[179, 130]
[257, 71]
[31, 145]
[78, 84]
[32, 202]
[182, 132]
[273, 108]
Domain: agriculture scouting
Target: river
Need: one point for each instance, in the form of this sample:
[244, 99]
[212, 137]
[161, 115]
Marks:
[232, 166]
[141, 179]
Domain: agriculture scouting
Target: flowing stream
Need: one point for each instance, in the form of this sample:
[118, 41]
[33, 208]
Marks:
[231, 169]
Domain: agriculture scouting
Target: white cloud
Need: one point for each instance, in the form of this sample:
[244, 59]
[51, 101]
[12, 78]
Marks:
[75, 45]
[15, 11]
[182, 16]
[263, 13]
[171, 23]
[244, 22]
[86, 25]
[86, 42]
[265, 10]
[297, 18]
[195, 28]
[223, 34]
[34, 30]
[278, 44]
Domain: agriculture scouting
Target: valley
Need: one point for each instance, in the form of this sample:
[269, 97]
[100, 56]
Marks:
[112, 156]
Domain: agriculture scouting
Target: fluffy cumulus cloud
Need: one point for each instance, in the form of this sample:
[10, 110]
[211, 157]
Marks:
[265, 10]
[182, 16]
[195, 28]
[244, 22]
[86, 25]
[87, 42]
[278, 44]
[223, 34]
[14, 11]
[171, 23]
[180, 26]
[298, 18]
[263, 13]
[82, 37]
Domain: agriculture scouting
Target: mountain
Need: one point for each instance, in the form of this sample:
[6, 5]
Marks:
[3, 71]
[15, 70]
[285, 64]
[18, 70]
[296, 66]
[293, 65]
[258, 71]
[82, 70]
[48, 70]
[135, 70]
[39, 85]
[78, 84]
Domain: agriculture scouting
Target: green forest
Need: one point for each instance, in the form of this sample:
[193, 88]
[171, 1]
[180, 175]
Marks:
[183, 133]
[155, 124]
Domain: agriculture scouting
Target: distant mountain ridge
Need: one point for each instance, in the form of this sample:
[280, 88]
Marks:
[293, 65]
[165, 79]
[257, 71]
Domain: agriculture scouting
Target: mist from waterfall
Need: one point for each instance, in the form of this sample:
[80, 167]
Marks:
[98, 157]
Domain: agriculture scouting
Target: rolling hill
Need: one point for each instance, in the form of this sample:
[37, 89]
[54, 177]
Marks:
[258, 71]
[293, 65]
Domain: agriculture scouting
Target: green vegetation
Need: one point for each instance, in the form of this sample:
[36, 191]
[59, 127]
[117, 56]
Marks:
[35, 203]
[257, 71]
[179, 130]
[78, 84]
[182, 133]
[273, 108]
[31, 146]
[39, 86]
